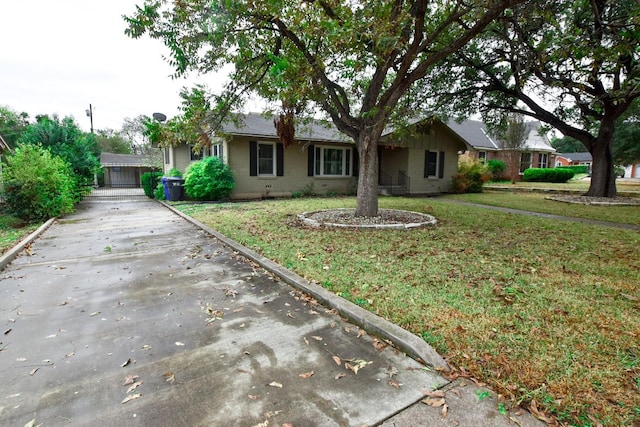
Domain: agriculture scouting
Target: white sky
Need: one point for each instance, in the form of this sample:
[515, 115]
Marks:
[59, 56]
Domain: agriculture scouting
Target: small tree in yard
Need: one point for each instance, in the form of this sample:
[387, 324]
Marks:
[208, 179]
[38, 184]
[512, 143]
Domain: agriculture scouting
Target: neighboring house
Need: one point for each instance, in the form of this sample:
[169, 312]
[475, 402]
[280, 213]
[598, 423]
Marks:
[536, 151]
[124, 170]
[574, 159]
[632, 171]
[325, 160]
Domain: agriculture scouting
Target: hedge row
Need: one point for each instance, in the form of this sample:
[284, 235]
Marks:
[576, 168]
[548, 175]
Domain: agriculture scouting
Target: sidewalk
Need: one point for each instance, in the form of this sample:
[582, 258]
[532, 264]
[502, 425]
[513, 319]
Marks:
[125, 313]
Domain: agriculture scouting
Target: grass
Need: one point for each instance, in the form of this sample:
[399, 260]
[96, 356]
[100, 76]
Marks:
[538, 203]
[13, 230]
[541, 310]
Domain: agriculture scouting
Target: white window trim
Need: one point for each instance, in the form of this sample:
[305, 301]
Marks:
[274, 166]
[319, 161]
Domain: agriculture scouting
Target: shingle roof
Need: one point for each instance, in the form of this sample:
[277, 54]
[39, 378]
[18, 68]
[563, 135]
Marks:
[475, 133]
[258, 125]
[112, 159]
[577, 157]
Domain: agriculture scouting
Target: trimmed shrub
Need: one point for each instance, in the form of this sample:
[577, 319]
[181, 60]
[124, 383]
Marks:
[576, 168]
[174, 173]
[149, 182]
[208, 179]
[496, 168]
[38, 185]
[470, 177]
[547, 175]
[158, 192]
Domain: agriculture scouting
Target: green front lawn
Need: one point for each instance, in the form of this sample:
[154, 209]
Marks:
[541, 310]
[13, 230]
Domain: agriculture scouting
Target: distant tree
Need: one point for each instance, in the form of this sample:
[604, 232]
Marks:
[64, 138]
[574, 65]
[567, 144]
[512, 141]
[110, 141]
[134, 132]
[12, 124]
[362, 63]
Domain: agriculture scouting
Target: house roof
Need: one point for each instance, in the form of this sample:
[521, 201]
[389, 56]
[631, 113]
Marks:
[258, 125]
[475, 133]
[537, 141]
[126, 160]
[576, 157]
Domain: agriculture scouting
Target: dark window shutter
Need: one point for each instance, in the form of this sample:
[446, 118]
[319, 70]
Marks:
[280, 159]
[441, 165]
[253, 158]
[310, 160]
[356, 162]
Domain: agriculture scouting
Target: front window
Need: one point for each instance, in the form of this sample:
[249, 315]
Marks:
[543, 160]
[525, 161]
[216, 150]
[482, 156]
[266, 159]
[333, 161]
[431, 164]
[196, 156]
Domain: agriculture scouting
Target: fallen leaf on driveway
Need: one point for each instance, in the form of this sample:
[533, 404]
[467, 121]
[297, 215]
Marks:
[31, 423]
[33, 371]
[126, 363]
[337, 360]
[306, 375]
[435, 402]
[444, 411]
[130, 379]
[275, 384]
[179, 344]
[317, 338]
[131, 397]
[7, 331]
[340, 375]
[436, 393]
[95, 313]
[134, 386]
[391, 371]
[394, 384]
[170, 377]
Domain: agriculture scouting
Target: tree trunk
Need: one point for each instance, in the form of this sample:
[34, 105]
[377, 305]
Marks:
[368, 176]
[603, 179]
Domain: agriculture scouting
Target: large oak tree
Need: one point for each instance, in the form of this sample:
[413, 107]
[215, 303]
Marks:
[573, 64]
[358, 62]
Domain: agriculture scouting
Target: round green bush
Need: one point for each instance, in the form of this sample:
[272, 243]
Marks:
[496, 168]
[556, 175]
[208, 179]
[38, 185]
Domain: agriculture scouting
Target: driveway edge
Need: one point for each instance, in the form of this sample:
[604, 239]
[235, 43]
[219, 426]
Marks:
[373, 324]
[12, 253]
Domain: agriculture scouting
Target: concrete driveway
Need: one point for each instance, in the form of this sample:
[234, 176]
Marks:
[123, 313]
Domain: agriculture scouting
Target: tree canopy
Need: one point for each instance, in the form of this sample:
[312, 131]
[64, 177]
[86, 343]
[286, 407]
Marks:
[358, 62]
[65, 139]
[571, 64]
[12, 124]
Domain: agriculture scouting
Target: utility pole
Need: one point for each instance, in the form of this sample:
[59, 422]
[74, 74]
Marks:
[90, 115]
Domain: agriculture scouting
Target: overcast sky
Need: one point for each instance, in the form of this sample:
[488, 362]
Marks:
[59, 56]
